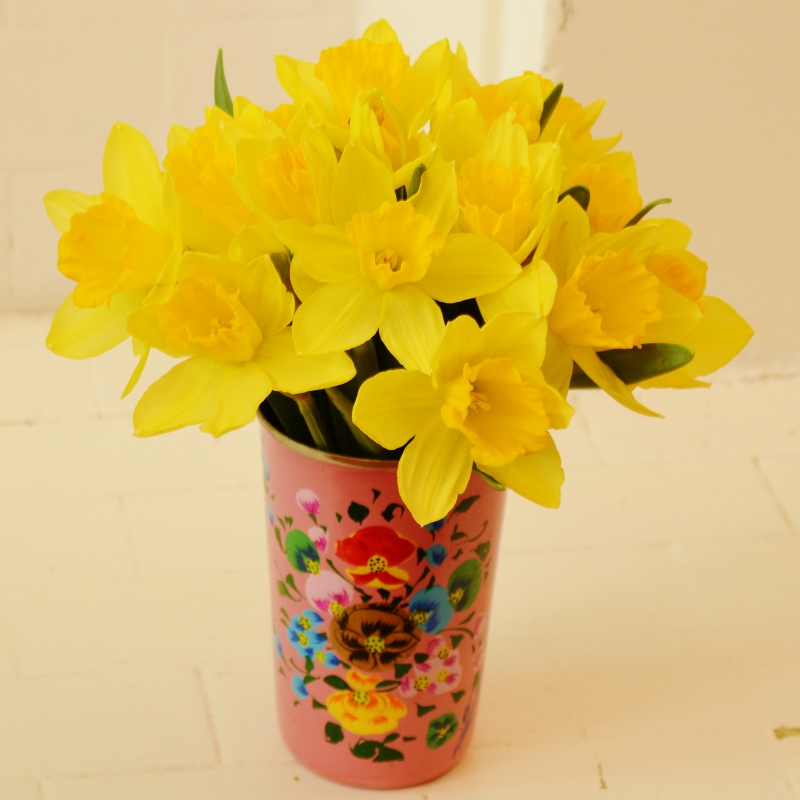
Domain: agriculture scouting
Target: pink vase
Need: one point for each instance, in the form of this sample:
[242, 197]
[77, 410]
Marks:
[379, 623]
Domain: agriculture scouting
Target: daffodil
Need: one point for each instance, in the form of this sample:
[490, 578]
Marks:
[118, 246]
[366, 90]
[482, 400]
[231, 325]
[384, 263]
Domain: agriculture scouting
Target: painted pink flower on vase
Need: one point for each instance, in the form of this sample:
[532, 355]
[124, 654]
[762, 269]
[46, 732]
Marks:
[329, 593]
[308, 501]
[319, 537]
[477, 626]
[434, 676]
[438, 648]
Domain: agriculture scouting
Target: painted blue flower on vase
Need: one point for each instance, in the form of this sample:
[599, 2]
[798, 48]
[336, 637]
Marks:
[430, 609]
[304, 636]
[328, 659]
[436, 554]
[270, 514]
[267, 474]
[299, 688]
[278, 646]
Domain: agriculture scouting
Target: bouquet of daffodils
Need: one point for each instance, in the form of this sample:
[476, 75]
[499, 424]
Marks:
[401, 262]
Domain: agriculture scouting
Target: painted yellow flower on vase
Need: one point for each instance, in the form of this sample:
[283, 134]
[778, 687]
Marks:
[117, 246]
[231, 325]
[364, 710]
[385, 262]
[482, 400]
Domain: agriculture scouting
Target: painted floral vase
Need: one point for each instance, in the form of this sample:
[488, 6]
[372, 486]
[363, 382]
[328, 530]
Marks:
[379, 623]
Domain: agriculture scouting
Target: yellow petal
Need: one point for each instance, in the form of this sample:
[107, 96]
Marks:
[411, 326]
[299, 82]
[303, 284]
[131, 172]
[143, 351]
[337, 317]
[395, 405]
[537, 477]
[143, 326]
[85, 332]
[507, 143]
[263, 294]
[434, 469]
[289, 372]
[569, 230]
[462, 340]
[321, 160]
[437, 197]
[380, 32]
[557, 365]
[533, 291]
[719, 337]
[679, 317]
[468, 266]
[61, 204]
[606, 379]
[218, 396]
[327, 254]
[253, 241]
[519, 336]
[361, 183]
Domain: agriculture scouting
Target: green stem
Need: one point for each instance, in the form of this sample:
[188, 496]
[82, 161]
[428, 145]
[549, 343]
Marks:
[317, 425]
[345, 407]
[366, 361]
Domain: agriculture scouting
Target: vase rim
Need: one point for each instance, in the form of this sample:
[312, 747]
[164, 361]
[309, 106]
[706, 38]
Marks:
[325, 457]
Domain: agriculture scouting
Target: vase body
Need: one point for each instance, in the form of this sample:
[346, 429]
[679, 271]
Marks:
[379, 624]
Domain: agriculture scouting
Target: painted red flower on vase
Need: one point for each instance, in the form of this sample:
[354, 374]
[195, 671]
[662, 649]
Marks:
[375, 553]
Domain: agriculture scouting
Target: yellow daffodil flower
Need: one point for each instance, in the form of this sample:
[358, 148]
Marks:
[384, 262]
[366, 86]
[483, 400]
[231, 324]
[117, 246]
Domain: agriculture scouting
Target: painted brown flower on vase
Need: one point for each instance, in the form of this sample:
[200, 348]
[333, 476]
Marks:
[372, 637]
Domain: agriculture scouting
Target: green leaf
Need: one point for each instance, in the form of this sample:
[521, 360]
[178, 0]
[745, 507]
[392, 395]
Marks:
[477, 679]
[647, 209]
[309, 679]
[290, 582]
[388, 754]
[420, 555]
[387, 685]
[366, 749]
[456, 640]
[464, 584]
[483, 550]
[283, 591]
[401, 669]
[636, 364]
[391, 738]
[420, 658]
[300, 549]
[333, 733]
[580, 194]
[338, 517]
[549, 105]
[409, 738]
[278, 537]
[491, 481]
[384, 593]
[388, 512]
[423, 710]
[440, 730]
[458, 695]
[309, 665]
[458, 535]
[416, 180]
[284, 612]
[336, 682]
[357, 512]
[466, 504]
[319, 706]
[222, 97]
